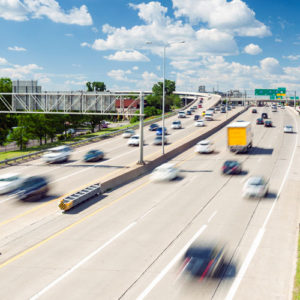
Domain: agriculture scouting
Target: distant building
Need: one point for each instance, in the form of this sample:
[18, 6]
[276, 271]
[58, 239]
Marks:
[235, 94]
[201, 89]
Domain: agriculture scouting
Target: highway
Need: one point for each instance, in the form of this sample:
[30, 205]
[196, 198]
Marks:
[130, 244]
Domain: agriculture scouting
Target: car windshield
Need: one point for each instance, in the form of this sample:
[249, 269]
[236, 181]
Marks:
[230, 163]
[8, 179]
[256, 181]
[135, 137]
[176, 122]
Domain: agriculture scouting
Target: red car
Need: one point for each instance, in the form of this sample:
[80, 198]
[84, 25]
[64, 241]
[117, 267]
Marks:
[199, 105]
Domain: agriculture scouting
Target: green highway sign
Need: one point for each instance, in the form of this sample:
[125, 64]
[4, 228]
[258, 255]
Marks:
[271, 92]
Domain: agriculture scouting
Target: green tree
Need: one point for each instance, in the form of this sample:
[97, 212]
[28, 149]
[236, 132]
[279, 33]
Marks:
[97, 86]
[20, 134]
[35, 125]
[170, 87]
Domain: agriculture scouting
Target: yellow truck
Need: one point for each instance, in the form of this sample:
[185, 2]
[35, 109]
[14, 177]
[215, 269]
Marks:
[239, 136]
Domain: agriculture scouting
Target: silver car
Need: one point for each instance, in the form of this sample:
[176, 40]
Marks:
[255, 186]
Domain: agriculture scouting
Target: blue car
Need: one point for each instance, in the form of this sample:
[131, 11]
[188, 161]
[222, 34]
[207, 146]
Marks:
[159, 131]
[153, 127]
[93, 155]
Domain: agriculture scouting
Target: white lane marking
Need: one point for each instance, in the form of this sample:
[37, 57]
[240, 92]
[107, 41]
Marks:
[162, 274]
[244, 179]
[212, 216]
[147, 213]
[79, 264]
[260, 233]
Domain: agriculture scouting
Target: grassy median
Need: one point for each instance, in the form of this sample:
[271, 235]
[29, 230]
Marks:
[296, 292]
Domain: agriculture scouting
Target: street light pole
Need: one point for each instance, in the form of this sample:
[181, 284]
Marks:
[163, 102]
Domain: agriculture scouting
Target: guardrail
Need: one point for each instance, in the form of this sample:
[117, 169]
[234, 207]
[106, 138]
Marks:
[94, 139]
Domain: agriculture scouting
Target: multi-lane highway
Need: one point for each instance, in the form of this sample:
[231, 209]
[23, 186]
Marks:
[130, 244]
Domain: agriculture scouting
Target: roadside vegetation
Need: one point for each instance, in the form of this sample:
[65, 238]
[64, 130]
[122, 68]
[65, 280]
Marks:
[296, 292]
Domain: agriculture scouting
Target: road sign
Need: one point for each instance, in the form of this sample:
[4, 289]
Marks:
[281, 91]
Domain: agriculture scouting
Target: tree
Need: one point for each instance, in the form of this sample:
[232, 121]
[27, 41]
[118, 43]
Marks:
[97, 86]
[170, 87]
[19, 134]
[35, 125]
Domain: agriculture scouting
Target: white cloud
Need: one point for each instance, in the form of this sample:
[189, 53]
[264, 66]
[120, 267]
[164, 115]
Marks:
[252, 49]
[277, 40]
[270, 65]
[95, 30]
[3, 61]
[292, 57]
[69, 34]
[84, 44]
[75, 82]
[120, 75]
[135, 68]
[127, 56]
[16, 48]
[22, 10]
[19, 72]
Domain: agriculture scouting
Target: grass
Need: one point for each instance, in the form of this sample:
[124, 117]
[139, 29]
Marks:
[296, 291]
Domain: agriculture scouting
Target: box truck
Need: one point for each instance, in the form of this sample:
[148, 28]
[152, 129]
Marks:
[239, 136]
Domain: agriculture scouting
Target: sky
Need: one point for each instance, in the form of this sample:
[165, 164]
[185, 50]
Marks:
[238, 44]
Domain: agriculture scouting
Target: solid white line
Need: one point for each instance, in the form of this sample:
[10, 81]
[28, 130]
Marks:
[260, 234]
[212, 216]
[63, 276]
[162, 274]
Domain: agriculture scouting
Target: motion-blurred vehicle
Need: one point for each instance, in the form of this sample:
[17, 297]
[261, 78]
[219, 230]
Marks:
[199, 105]
[204, 146]
[268, 123]
[228, 108]
[288, 129]
[204, 262]
[165, 172]
[181, 114]
[196, 117]
[274, 108]
[203, 113]
[223, 110]
[199, 123]
[158, 140]
[188, 112]
[57, 154]
[208, 116]
[259, 121]
[176, 124]
[10, 182]
[239, 136]
[255, 186]
[264, 116]
[159, 131]
[153, 127]
[128, 133]
[217, 108]
[34, 187]
[93, 155]
[104, 124]
[282, 107]
[134, 140]
[254, 111]
[231, 167]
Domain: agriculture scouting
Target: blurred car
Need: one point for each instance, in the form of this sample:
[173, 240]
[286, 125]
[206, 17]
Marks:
[254, 111]
[223, 110]
[93, 155]
[203, 113]
[153, 127]
[228, 108]
[181, 114]
[176, 124]
[199, 123]
[134, 140]
[208, 116]
[259, 121]
[231, 167]
[255, 186]
[70, 131]
[199, 105]
[159, 131]
[10, 182]
[288, 129]
[128, 133]
[268, 123]
[204, 261]
[217, 108]
[158, 140]
[57, 154]
[104, 124]
[165, 172]
[264, 116]
[196, 117]
[204, 146]
[188, 112]
[34, 187]
[282, 107]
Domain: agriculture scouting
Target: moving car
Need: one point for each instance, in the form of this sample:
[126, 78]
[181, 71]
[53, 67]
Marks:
[264, 116]
[254, 111]
[158, 140]
[10, 182]
[268, 123]
[255, 186]
[260, 121]
[128, 133]
[159, 131]
[181, 114]
[57, 154]
[204, 261]
[196, 117]
[223, 110]
[34, 187]
[176, 124]
[93, 155]
[134, 140]
[199, 105]
[208, 116]
[188, 112]
[288, 129]
[204, 146]
[153, 127]
[199, 123]
[165, 172]
[231, 167]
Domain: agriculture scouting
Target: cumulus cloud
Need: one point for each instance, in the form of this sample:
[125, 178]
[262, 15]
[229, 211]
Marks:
[19, 72]
[252, 49]
[135, 68]
[278, 40]
[3, 61]
[292, 57]
[119, 75]
[270, 65]
[22, 10]
[127, 56]
[16, 48]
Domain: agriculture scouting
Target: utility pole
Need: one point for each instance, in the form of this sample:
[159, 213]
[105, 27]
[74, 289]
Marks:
[141, 161]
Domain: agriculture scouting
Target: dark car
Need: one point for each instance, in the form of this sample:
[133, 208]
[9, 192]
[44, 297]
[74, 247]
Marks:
[260, 121]
[93, 155]
[268, 123]
[231, 167]
[33, 188]
[159, 131]
[254, 111]
[264, 115]
[204, 262]
[153, 127]
[196, 117]
[188, 112]
[223, 110]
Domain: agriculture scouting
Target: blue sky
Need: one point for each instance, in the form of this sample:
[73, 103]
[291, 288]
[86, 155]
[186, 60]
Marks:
[227, 44]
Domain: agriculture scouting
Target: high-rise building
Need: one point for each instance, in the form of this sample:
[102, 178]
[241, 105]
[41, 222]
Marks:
[201, 89]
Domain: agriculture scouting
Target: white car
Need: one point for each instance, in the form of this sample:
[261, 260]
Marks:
[176, 125]
[57, 154]
[134, 140]
[165, 172]
[288, 129]
[255, 186]
[208, 116]
[199, 123]
[128, 133]
[10, 182]
[181, 114]
[204, 146]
